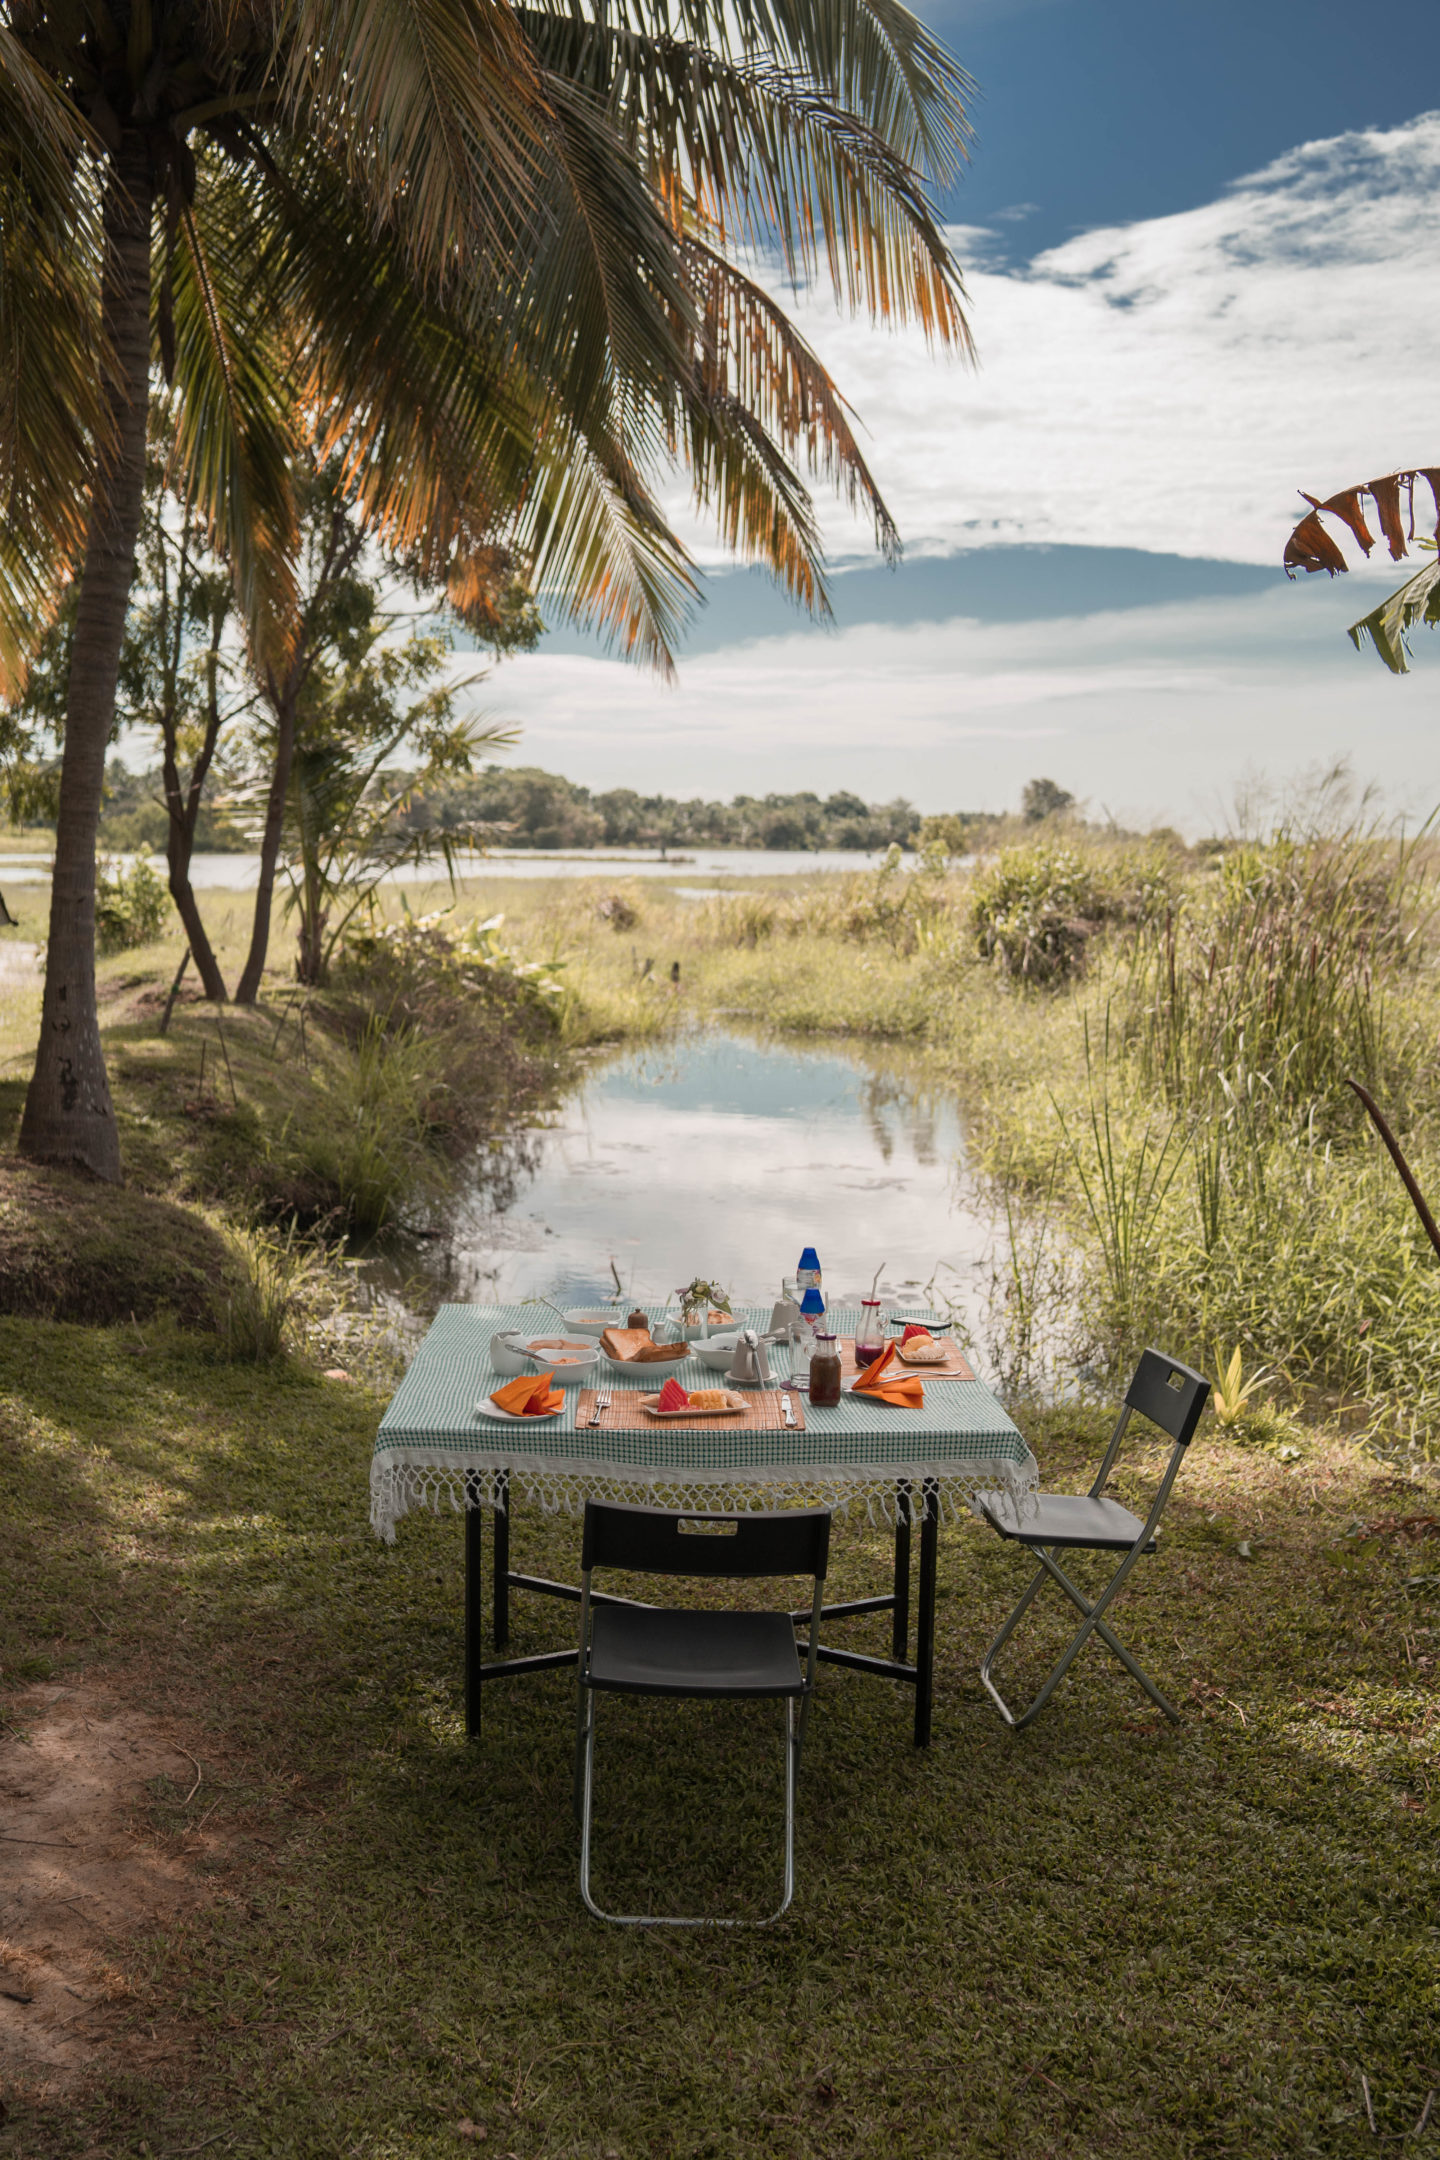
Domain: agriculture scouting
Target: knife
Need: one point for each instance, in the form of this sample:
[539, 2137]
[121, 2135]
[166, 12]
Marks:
[786, 1411]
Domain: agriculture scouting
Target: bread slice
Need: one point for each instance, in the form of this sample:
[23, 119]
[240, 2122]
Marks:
[624, 1343]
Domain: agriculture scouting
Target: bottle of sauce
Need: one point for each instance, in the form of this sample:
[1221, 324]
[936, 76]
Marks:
[825, 1373]
[639, 1319]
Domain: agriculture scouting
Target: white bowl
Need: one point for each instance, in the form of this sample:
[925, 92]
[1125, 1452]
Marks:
[717, 1353]
[571, 1367]
[586, 1321]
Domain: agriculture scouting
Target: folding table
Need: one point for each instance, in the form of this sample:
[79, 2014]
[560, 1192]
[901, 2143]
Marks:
[905, 1466]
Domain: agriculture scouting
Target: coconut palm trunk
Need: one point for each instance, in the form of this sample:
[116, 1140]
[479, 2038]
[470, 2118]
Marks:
[69, 1117]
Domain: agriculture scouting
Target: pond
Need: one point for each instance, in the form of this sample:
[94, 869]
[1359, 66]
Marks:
[721, 1155]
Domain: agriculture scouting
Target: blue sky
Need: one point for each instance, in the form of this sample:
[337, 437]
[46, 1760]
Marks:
[1203, 253]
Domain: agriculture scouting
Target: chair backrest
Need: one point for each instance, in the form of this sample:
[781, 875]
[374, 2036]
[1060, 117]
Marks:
[658, 1541]
[1169, 1394]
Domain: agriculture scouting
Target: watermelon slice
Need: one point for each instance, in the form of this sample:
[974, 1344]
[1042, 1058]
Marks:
[912, 1329]
[672, 1397]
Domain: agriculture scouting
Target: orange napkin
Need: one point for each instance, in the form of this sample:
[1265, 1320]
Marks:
[903, 1389]
[530, 1396]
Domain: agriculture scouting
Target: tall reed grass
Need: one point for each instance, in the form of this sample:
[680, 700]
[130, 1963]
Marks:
[1211, 1172]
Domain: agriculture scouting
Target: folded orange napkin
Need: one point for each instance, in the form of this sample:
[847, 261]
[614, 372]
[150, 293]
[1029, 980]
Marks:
[530, 1396]
[903, 1389]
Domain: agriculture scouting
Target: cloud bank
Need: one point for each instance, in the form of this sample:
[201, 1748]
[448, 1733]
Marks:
[1170, 385]
[1164, 386]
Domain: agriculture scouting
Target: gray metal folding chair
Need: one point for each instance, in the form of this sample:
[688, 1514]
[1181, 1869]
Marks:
[1171, 1396]
[632, 1649]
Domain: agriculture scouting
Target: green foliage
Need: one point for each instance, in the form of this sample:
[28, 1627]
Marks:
[132, 906]
[1257, 998]
[906, 910]
[1041, 799]
[1035, 910]
[521, 806]
[262, 1291]
[1388, 626]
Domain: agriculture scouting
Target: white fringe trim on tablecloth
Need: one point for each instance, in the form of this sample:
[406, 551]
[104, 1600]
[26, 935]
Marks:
[426, 1478]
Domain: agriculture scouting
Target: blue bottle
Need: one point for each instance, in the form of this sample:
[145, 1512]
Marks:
[807, 1275]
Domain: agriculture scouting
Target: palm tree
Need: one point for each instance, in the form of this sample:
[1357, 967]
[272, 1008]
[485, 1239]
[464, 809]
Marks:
[480, 252]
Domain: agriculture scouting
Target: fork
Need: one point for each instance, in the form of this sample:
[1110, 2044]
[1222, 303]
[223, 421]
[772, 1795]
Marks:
[601, 1402]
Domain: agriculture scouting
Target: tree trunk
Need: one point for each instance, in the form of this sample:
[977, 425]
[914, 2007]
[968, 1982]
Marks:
[183, 809]
[249, 985]
[69, 1117]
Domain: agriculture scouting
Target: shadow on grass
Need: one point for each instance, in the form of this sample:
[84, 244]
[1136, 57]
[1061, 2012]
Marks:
[1101, 1936]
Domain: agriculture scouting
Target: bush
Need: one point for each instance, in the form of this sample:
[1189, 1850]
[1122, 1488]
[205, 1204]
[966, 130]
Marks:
[1035, 910]
[620, 909]
[131, 906]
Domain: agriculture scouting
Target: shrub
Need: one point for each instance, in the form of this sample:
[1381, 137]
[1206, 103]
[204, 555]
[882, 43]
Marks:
[1035, 910]
[131, 905]
[621, 910]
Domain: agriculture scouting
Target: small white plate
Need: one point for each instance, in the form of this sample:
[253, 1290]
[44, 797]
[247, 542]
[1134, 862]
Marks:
[732, 1409]
[514, 1417]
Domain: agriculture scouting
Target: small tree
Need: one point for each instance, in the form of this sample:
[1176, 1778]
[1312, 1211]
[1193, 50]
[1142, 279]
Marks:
[182, 672]
[1043, 798]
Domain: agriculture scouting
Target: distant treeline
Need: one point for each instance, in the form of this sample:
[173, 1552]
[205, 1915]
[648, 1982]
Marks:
[542, 810]
[523, 807]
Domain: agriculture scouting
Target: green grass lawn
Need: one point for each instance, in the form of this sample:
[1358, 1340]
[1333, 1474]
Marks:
[1103, 1937]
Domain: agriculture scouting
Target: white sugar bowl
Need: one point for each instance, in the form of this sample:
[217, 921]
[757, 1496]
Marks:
[507, 1352]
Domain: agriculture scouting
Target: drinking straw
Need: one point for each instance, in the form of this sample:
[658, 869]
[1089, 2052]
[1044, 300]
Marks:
[878, 1273]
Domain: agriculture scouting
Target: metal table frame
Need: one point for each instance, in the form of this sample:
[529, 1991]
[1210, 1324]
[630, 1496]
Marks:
[919, 1676]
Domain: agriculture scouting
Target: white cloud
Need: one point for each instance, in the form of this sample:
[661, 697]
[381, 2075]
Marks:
[1166, 386]
[1171, 384]
[1155, 713]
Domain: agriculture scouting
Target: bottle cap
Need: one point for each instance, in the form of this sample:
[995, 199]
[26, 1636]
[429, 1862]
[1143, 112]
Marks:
[812, 1302]
[809, 1259]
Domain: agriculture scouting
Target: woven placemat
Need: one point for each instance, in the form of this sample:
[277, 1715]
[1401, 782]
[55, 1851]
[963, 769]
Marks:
[955, 1367]
[762, 1413]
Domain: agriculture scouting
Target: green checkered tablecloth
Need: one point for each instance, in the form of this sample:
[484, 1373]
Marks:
[432, 1442]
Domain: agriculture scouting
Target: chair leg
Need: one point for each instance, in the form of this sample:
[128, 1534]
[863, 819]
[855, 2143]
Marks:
[1092, 1623]
[587, 1758]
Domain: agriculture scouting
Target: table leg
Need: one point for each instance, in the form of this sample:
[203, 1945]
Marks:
[925, 1624]
[502, 1560]
[900, 1625]
[474, 1609]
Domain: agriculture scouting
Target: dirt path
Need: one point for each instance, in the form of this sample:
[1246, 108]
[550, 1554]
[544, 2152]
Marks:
[79, 1877]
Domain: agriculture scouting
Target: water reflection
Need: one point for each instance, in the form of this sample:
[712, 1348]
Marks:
[721, 1156]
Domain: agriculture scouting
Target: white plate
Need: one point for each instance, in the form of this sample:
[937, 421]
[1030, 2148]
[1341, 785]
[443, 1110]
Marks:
[648, 1402]
[513, 1417]
[584, 1322]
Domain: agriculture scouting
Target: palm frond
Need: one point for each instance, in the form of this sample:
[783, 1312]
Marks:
[53, 369]
[433, 111]
[1388, 626]
[768, 161]
[873, 57]
[234, 408]
[753, 357]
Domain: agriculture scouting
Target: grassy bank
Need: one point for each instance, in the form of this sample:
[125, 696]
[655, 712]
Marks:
[1101, 1937]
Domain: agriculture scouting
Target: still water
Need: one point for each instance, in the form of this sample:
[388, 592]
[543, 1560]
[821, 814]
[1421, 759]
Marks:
[237, 873]
[721, 1156]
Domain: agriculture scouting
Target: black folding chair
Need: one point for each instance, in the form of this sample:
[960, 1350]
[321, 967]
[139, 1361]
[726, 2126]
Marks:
[1171, 1396]
[631, 1649]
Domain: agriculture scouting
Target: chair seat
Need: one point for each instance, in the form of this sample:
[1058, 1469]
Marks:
[1064, 1519]
[643, 1651]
